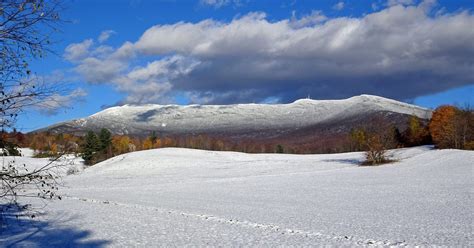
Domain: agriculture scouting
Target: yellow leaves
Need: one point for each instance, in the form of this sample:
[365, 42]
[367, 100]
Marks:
[121, 144]
[358, 137]
[147, 144]
[54, 148]
[157, 143]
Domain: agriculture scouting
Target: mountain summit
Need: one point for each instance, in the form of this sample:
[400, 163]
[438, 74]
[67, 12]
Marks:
[237, 118]
[141, 120]
[310, 126]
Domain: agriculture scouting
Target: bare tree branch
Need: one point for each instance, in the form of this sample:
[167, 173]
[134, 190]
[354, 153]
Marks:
[26, 27]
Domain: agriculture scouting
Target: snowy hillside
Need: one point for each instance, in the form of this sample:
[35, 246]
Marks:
[178, 197]
[234, 118]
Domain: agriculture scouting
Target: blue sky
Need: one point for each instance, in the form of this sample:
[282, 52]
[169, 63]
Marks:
[227, 51]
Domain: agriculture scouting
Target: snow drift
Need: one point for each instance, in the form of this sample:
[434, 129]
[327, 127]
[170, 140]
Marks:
[182, 197]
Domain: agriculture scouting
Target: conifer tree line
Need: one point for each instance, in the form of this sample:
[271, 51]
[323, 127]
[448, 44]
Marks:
[96, 148]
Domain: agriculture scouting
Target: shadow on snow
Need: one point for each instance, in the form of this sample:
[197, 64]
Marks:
[18, 228]
[344, 161]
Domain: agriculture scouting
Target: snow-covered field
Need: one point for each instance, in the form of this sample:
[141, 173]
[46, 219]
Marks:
[177, 197]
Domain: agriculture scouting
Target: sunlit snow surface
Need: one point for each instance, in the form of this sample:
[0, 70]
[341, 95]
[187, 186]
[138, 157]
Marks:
[177, 197]
[228, 118]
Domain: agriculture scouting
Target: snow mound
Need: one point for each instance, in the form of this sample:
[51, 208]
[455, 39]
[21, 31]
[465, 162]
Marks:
[185, 197]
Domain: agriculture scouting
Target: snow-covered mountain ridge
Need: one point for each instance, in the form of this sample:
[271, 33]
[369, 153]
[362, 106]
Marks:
[131, 119]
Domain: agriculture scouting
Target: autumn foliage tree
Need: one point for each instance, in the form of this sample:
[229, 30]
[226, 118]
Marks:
[442, 126]
[464, 128]
[378, 137]
[358, 139]
[452, 127]
[121, 144]
[417, 133]
[147, 144]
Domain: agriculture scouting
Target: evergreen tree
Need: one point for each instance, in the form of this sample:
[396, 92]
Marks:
[398, 137]
[8, 149]
[105, 140]
[279, 149]
[90, 147]
[153, 137]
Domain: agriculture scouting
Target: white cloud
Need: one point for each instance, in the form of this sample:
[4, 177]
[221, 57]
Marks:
[152, 82]
[95, 70]
[105, 35]
[54, 103]
[124, 52]
[78, 51]
[169, 67]
[399, 2]
[221, 3]
[338, 6]
[400, 52]
[316, 17]
[102, 51]
[140, 93]
[374, 6]
[215, 3]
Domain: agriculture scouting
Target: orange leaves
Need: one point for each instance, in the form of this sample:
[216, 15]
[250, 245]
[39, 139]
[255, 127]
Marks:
[451, 127]
[147, 144]
[442, 126]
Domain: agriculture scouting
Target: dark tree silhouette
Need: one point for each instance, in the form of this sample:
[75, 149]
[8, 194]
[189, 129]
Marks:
[90, 147]
[25, 31]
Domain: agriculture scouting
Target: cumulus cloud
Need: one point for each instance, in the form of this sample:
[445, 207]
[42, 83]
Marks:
[100, 64]
[400, 52]
[105, 35]
[98, 71]
[151, 83]
[78, 51]
[150, 92]
[338, 6]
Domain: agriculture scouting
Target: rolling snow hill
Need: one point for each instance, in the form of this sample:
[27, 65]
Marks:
[183, 197]
[262, 120]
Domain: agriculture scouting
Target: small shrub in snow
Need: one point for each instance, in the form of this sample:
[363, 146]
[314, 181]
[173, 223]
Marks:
[72, 171]
[41, 154]
[377, 139]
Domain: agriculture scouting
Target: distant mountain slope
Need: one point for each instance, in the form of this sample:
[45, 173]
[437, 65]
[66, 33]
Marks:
[238, 119]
